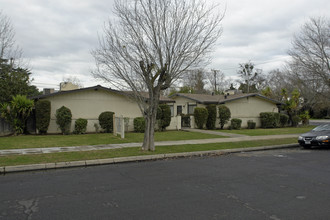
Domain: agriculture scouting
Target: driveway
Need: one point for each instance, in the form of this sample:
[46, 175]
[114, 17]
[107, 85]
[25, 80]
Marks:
[318, 121]
[278, 184]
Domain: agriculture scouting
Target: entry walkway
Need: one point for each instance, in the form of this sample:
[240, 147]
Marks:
[213, 132]
[127, 145]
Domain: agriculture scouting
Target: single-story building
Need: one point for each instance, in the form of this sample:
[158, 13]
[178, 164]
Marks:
[89, 103]
[242, 105]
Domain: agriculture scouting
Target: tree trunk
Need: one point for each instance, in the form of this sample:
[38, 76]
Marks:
[150, 118]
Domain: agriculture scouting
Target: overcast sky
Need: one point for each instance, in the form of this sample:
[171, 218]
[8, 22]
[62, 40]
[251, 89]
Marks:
[57, 36]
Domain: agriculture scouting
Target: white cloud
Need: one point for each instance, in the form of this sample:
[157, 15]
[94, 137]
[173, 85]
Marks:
[57, 36]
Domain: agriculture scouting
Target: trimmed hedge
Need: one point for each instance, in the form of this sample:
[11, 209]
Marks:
[139, 124]
[224, 115]
[80, 126]
[295, 120]
[283, 120]
[106, 121]
[270, 119]
[42, 115]
[212, 116]
[236, 123]
[251, 124]
[163, 116]
[200, 115]
[63, 119]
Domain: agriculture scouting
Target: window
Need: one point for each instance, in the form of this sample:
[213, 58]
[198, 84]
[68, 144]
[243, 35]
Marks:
[172, 110]
[179, 110]
[191, 109]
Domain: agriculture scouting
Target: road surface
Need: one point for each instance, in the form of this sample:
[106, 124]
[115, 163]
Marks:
[277, 184]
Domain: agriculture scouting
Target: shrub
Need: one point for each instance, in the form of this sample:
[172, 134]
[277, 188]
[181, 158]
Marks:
[277, 119]
[185, 120]
[251, 124]
[97, 127]
[304, 117]
[80, 126]
[42, 115]
[163, 116]
[212, 116]
[295, 120]
[224, 115]
[106, 121]
[17, 112]
[126, 122]
[200, 115]
[269, 119]
[63, 119]
[283, 120]
[139, 124]
[236, 123]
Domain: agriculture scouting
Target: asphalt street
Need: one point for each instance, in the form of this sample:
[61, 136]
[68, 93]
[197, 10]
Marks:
[275, 184]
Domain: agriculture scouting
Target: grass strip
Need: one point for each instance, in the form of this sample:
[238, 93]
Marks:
[43, 141]
[270, 131]
[136, 151]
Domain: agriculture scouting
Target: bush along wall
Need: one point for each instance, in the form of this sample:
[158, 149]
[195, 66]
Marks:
[236, 123]
[106, 121]
[284, 120]
[163, 116]
[139, 124]
[80, 126]
[212, 116]
[42, 115]
[224, 115]
[200, 115]
[295, 120]
[251, 124]
[270, 119]
[63, 119]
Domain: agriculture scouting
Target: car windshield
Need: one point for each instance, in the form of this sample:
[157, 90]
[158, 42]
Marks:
[325, 127]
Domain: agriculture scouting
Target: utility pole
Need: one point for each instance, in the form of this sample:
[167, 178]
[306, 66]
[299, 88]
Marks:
[215, 73]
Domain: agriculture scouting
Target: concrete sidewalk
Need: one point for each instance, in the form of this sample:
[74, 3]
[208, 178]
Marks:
[85, 163]
[127, 145]
[213, 132]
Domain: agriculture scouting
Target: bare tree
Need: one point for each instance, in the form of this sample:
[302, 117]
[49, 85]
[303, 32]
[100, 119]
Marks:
[152, 45]
[311, 52]
[8, 50]
[250, 77]
[74, 80]
[217, 81]
[195, 80]
[310, 65]
[276, 81]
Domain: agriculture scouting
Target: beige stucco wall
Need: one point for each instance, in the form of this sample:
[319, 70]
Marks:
[245, 109]
[249, 109]
[89, 105]
[180, 101]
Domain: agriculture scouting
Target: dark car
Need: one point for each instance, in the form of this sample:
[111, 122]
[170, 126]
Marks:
[319, 136]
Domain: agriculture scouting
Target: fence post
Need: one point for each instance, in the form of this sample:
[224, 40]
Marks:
[114, 125]
[178, 125]
[122, 122]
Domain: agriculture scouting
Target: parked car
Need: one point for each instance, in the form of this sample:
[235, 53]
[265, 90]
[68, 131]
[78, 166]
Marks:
[319, 136]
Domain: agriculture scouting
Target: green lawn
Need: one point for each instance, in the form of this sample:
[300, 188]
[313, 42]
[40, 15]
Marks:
[270, 131]
[38, 141]
[136, 151]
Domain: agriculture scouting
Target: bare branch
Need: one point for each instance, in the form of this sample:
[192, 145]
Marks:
[153, 43]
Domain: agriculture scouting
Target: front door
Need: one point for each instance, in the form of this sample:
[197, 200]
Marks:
[179, 110]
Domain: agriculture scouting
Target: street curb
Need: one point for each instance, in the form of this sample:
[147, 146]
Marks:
[59, 165]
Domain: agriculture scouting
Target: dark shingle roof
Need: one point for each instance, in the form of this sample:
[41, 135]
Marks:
[163, 99]
[220, 99]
